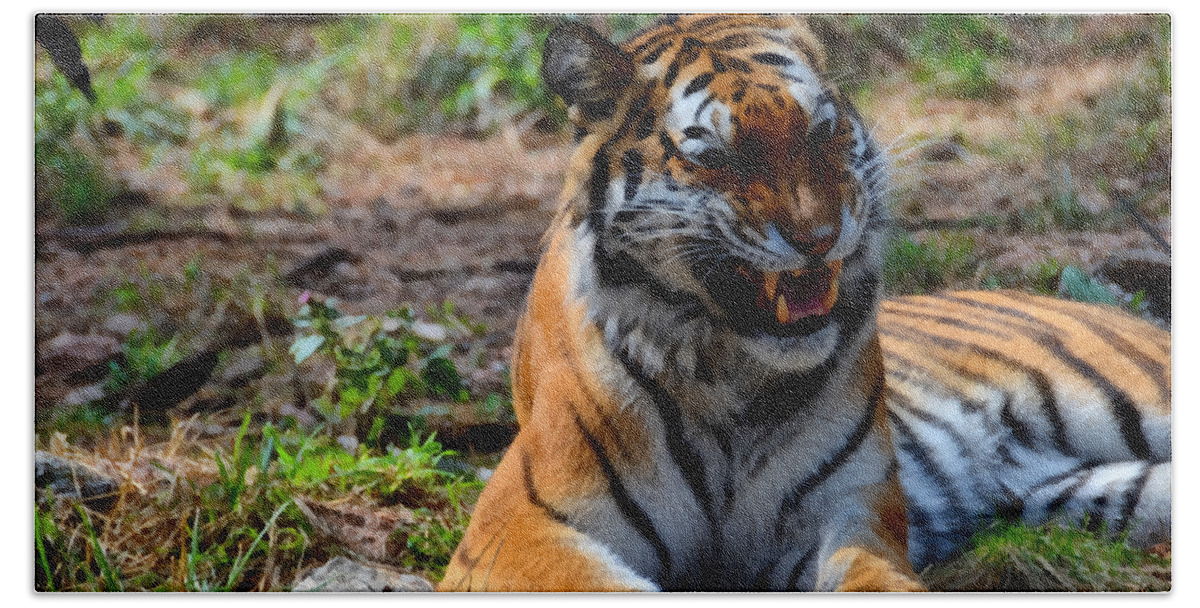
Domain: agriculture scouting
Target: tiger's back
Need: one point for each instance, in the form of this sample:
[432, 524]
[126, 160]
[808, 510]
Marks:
[1007, 405]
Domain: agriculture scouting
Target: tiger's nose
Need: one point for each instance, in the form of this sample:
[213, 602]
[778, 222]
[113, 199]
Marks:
[817, 242]
[792, 240]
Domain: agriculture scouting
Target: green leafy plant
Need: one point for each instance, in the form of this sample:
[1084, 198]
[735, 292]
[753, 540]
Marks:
[912, 267]
[146, 355]
[378, 361]
[1084, 288]
[66, 176]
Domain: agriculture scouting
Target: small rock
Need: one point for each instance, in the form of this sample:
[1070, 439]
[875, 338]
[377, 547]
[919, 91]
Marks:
[68, 354]
[121, 325]
[81, 396]
[303, 418]
[69, 479]
[342, 575]
[348, 443]
[244, 367]
[430, 331]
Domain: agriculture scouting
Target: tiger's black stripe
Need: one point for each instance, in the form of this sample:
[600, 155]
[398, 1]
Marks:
[653, 40]
[1141, 359]
[1144, 361]
[657, 52]
[645, 126]
[688, 53]
[631, 161]
[772, 59]
[700, 24]
[704, 104]
[1131, 497]
[630, 509]
[905, 404]
[532, 494]
[912, 445]
[1040, 382]
[1056, 504]
[954, 322]
[1004, 310]
[717, 65]
[598, 186]
[698, 83]
[615, 269]
[732, 42]
[668, 146]
[1020, 430]
[1129, 419]
[774, 404]
[831, 465]
[686, 457]
[739, 65]
[801, 567]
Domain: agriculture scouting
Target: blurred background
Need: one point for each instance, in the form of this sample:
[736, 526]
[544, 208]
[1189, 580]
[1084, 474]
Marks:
[282, 257]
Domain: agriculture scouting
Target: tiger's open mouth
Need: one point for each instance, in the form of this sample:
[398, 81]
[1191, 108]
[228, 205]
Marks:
[785, 303]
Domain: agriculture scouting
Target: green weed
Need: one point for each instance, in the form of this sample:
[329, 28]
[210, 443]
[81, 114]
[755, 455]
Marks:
[1050, 557]
[379, 362]
[956, 55]
[1045, 276]
[64, 175]
[146, 355]
[1083, 288]
[911, 267]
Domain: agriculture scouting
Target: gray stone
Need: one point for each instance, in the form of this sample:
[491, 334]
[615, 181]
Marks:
[70, 353]
[348, 443]
[81, 396]
[73, 480]
[243, 368]
[430, 331]
[122, 325]
[343, 575]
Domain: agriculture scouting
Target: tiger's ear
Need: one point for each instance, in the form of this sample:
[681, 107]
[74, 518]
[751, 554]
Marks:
[586, 70]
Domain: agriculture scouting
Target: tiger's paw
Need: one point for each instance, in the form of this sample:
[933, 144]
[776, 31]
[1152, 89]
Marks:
[857, 569]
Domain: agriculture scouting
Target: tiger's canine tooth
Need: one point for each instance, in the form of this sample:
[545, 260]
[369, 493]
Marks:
[781, 310]
[770, 282]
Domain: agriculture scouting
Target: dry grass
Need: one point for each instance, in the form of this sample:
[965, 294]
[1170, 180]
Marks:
[1051, 557]
[221, 514]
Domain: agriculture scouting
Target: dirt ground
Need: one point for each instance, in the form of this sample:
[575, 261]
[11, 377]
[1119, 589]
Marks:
[427, 219]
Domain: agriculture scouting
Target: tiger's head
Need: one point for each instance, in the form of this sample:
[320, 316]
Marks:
[721, 175]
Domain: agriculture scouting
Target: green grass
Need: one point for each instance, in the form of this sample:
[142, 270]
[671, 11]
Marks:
[957, 55]
[1051, 557]
[921, 267]
[242, 531]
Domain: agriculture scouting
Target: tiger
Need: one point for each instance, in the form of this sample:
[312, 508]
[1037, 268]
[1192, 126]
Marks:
[710, 390]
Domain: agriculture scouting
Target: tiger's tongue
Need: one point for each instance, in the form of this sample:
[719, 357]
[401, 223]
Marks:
[792, 297]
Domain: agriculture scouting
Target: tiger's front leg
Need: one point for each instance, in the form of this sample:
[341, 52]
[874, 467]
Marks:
[518, 542]
[863, 569]
[873, 556]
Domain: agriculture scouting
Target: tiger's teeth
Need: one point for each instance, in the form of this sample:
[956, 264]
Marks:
[781, 310]
[796, 272]
[770, 281]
